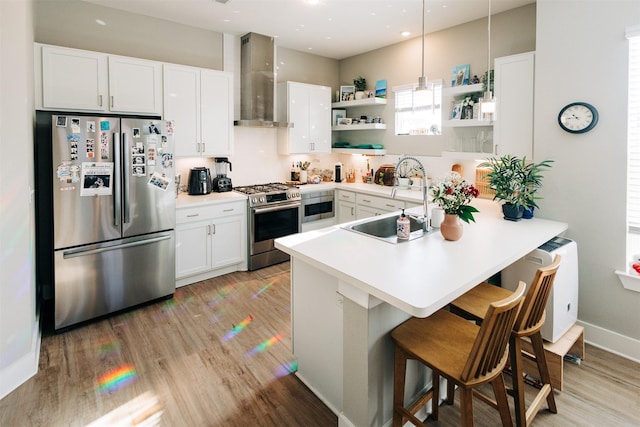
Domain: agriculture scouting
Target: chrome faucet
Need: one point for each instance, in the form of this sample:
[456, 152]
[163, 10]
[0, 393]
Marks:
[425, 216]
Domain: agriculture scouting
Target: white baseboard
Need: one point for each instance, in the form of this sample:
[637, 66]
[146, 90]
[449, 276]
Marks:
[13, 375]
[613, 342]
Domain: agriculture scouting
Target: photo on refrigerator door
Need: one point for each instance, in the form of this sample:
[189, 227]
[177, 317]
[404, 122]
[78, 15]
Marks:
[96, 179]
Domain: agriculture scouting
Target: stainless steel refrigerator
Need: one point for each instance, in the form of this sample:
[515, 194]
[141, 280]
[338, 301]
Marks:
[105, 195]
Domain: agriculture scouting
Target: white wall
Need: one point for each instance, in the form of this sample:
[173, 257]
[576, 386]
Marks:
[72, 23]
[19, 341]
[582, 56]
[512, 32]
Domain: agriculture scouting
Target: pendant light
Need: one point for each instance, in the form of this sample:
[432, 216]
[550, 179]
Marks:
[422, 80]
[488, 103]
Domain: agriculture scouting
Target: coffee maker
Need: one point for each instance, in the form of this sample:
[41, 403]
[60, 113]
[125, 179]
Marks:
[221, 182]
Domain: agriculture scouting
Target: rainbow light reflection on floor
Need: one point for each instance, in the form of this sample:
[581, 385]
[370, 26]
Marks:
[117, 378]
[286, 369]
[264, 345]
[264, 288]
[237, 328]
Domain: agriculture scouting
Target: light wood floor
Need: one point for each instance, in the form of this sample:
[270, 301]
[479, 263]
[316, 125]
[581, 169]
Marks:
[218, 354]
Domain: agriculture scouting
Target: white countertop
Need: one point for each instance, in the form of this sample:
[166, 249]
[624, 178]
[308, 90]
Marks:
[359, 187]
[422, 275]
[185, 200]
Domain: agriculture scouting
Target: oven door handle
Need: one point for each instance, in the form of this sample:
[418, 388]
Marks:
[277, 208]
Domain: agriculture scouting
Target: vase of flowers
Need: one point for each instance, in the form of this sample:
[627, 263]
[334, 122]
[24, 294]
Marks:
[453, 194]
[467, 108]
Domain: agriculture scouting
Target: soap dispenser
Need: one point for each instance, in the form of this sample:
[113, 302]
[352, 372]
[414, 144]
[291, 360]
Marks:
[404, 227]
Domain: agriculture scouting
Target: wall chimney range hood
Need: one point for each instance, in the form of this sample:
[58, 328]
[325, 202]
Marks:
[257, 82]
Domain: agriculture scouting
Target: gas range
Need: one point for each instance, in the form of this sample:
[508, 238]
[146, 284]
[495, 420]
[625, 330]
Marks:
[274, 210]
[268, 194]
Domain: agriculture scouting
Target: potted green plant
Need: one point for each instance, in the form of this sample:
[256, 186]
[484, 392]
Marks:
[360, 84]
[516, 182]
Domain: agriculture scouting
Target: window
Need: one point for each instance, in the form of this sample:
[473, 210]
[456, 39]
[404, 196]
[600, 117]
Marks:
[419, 113]
[633, 133]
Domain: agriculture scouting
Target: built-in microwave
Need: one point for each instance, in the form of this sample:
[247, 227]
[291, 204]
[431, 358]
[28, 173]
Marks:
[317, 205]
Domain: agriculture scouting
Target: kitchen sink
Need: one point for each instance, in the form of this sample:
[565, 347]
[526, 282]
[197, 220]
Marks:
[386, 228]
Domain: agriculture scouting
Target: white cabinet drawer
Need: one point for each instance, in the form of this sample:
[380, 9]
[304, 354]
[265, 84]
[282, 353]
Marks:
[199, 213]
[346, 196]
[382, 203]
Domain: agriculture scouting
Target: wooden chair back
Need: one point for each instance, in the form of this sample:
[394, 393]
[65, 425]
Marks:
[490, 350]
[532, 314]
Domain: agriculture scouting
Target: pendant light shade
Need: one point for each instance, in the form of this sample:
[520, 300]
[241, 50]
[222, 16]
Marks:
[488, 102]
[422, 80]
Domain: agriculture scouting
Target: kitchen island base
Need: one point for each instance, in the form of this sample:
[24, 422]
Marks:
[344, 349]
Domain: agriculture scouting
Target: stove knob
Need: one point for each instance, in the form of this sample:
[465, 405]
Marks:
[254, 200]
[262, 200]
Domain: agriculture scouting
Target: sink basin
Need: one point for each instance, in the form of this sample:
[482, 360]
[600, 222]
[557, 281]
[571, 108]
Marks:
[386, 228]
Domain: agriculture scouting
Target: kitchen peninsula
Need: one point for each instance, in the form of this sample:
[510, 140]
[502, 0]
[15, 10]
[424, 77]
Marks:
[348, 291]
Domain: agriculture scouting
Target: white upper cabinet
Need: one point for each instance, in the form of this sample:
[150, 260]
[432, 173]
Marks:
[72, 79]
[200, 102]
[80, 80]
[513, 84]
[182, 105]
[135, 85]
[216, 104]
[308, 107]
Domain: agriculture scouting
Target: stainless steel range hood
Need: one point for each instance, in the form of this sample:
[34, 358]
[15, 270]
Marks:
[257, 82]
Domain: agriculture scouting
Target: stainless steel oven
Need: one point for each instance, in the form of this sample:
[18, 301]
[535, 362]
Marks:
[317, 205]
[274, 211]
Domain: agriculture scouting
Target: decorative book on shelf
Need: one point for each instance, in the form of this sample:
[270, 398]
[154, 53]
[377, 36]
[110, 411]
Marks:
[381, 89]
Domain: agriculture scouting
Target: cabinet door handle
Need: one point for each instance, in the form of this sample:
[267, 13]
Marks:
[204, 147]
[352, 211]
[111, 101]
[366, 201]
[228, 210]
[192, 215]
[390, 205]
[100, 100]
[209, 229]
[213, 227]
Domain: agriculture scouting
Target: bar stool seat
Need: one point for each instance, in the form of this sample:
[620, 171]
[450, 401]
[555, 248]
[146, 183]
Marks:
[530, 320]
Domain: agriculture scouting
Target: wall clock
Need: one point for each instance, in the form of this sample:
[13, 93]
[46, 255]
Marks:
[578, 117]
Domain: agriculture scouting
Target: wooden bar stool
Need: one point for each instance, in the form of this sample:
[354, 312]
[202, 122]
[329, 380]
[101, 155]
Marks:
[464, 353]
[474, 304]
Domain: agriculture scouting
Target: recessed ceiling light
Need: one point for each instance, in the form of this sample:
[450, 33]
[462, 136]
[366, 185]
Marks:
[100, 22]
[405, 34]
[312, 1]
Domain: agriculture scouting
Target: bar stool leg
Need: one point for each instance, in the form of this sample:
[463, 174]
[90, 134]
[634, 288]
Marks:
[515, 349]
[435, 398]
[399, 371]
[538, 351]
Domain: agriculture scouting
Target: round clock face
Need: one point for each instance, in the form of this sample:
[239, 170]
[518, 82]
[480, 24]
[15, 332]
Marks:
[578, 117]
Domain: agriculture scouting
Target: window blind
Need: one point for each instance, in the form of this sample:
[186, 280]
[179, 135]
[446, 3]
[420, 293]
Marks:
[633, 133]
[418, 113]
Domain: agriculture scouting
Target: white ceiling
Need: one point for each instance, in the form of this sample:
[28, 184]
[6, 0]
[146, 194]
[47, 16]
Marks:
[332, 28]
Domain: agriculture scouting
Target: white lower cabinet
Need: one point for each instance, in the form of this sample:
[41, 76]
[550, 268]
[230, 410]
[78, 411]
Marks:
[346, 205]
[210, 241]
[193, 248]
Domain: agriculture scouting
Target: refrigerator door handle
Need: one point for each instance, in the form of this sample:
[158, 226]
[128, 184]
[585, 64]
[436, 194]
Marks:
[117, 193]
[125, 175]
[84, 252]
